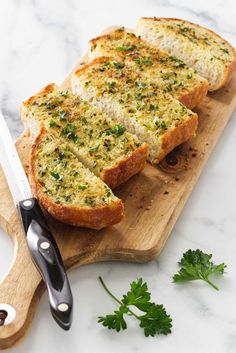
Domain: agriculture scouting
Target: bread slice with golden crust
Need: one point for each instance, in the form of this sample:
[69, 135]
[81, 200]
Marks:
[67, 189]
[103, 146]
[200, 48]
[171, 74]
[137, 103]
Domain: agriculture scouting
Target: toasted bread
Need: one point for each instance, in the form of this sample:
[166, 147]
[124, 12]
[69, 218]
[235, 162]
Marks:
[200, 48]
[171, 74]
[137, 103]
[103, 146]
[67, 189]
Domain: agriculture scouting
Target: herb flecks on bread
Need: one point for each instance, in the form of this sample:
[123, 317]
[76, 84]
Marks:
[67, 189]
[171, 74]
[137, 103]
[200, 48]
[102, 145]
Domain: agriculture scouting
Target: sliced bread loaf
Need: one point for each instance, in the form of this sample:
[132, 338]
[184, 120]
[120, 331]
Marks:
[102, 145]
[67, 189]
[137, 103]
[171, 74]
[200, 48]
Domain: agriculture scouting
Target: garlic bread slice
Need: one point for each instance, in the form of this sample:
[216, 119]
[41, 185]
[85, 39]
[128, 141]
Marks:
[68, 190]
[137, 103]
[102, 145]
[168, 72]
[200, 48]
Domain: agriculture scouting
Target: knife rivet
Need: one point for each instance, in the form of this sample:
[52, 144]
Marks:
[27, 203]
[63, 307]
[44, 245]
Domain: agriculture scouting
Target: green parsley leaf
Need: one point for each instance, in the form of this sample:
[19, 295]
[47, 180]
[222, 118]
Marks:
[64, 93]
[84, 120]
[163, 125]
[154, 319]
[62, 115]
[126, 48]
[68, 130]
[142, 85]
[118, 129]
[52, 123]
[225, 50]
[111, 84]
[83, 187]
[148, 62]
[176, 62]
[196, 265]
[118, 65]
[56, 176]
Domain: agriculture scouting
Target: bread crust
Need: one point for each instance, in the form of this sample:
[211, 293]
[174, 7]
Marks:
[192, 98]
[126, 167]
[89, 217]
[28, 102]
[47, 89]
[83, 68]
[178, 135]
[232, 64]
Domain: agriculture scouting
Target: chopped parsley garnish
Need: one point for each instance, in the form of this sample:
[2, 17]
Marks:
[68, 130]
[82, 187]
[51, 105]
[84, 120]
[56, 176]
[62, 115]
[52, 123]
[64, 93]
[90, 201]
[126, 48]
[108, 191]
[225, 50]
[152, 107]
[163, 125]
[176, 62]
[118, 129]
[142, 85]
[118, 65]
[148, 62]
[111, 84]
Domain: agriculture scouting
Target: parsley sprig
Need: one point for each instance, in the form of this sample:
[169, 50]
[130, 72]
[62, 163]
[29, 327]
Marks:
[154, 319]
[196, 265]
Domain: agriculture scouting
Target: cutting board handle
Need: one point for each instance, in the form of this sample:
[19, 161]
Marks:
[20, 290]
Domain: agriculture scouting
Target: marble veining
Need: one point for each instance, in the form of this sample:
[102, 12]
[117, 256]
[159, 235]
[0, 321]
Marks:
[41, 41]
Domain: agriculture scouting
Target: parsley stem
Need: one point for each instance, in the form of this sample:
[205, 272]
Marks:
[117, 300]
[211, 284]
[107, 290]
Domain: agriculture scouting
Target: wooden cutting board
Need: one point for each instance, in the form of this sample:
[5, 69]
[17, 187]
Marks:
[153, 201]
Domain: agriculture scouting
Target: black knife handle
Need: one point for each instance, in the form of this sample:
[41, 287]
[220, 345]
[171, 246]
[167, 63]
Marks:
[48, 261]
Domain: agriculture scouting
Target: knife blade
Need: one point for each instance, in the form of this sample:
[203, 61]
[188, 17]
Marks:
[41, 243]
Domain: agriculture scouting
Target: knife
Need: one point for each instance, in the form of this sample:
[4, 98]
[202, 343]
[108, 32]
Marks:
[40, 241]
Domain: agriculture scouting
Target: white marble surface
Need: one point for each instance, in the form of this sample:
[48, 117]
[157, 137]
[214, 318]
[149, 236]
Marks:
[40, 42]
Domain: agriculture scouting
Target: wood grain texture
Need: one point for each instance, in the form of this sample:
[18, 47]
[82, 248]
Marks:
[153, 201]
